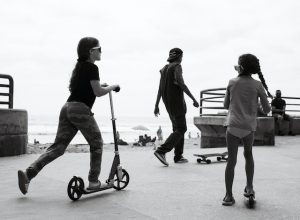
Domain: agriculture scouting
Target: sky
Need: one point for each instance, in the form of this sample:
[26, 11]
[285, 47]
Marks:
[39, 39]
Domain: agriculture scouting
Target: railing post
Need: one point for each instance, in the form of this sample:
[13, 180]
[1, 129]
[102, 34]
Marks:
[201, 96]
[11, 92]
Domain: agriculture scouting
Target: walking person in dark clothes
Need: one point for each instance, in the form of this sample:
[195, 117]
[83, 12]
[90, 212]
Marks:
[241, 100]
[171, 89]
[76, 115]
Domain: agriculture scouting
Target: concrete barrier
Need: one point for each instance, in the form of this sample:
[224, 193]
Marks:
[13, 132]
[213, 131]
[285, 128]
[295, 125]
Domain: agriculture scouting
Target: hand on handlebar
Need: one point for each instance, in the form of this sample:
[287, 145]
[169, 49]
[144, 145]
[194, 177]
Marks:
[116, 88]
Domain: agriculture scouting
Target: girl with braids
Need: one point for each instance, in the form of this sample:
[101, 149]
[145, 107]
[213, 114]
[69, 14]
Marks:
[241, 100]
[76, 115]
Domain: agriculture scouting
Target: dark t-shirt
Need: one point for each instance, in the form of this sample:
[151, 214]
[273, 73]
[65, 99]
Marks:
[83, 91]
[278, 103]
[172, 94]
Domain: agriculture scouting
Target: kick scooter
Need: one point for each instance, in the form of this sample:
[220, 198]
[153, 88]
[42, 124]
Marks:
[118, 177]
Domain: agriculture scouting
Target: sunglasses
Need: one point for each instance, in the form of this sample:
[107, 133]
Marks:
[97, 48]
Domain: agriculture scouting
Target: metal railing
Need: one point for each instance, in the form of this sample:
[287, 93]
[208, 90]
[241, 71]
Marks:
[10, 93]
[212, 96]
[288, 104]
[216, 96]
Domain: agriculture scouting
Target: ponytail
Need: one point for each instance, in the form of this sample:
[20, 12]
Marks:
[74, 77]
[262, 79]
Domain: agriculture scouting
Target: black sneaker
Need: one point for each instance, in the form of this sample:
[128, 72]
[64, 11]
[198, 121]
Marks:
[181, 160]
[228, 201]
[161, 157]
[23, 181]
[249, 192]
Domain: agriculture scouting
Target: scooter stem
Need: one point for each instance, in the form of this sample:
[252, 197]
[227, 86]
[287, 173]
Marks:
[111, 106]
[113, 124]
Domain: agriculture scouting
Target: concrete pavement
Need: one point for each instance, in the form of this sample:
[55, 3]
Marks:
[180, 191]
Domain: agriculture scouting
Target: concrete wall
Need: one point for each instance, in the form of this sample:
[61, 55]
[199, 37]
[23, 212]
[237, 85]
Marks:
[213, 131]
[13, 132]
[295, 125]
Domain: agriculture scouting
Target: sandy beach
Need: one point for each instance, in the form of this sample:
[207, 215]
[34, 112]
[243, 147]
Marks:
[84, 148]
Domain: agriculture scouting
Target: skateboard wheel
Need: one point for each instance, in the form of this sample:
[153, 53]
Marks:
[75, 187]
[219, 158]
[121, 183]
[208, 161]
[199, 160]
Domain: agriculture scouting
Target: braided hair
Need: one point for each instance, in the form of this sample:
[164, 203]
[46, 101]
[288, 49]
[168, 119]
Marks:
[250, 64]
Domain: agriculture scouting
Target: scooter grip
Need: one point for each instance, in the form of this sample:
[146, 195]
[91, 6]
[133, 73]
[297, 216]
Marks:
[117, 89]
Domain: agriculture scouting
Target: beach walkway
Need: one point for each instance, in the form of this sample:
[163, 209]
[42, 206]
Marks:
[180, 191]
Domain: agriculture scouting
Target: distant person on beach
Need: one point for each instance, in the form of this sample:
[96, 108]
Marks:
[278, 111]
[159, 134]
[241, 100]
[76, 115]
[171, 89]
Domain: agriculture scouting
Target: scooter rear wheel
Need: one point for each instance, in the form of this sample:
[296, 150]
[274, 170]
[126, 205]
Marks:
[120, 184]
[75, 188]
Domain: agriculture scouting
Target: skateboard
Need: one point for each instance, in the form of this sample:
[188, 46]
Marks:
[203, 157]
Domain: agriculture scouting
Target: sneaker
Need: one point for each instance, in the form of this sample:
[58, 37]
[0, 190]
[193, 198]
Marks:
[23, 181]
[181, 160]
[249, 192]
[228, 200]
[94, 185]
[161, 157]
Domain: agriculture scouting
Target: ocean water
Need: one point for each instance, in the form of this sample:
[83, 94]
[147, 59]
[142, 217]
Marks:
[43, 128]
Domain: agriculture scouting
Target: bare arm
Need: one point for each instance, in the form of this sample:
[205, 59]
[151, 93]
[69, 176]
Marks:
[226, 102]
[180, 82]
[99, 90]
[156, 109]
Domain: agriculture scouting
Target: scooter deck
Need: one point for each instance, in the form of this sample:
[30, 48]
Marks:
[104, 187]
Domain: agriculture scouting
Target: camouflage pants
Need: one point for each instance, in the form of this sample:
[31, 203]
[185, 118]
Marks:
[73, 116]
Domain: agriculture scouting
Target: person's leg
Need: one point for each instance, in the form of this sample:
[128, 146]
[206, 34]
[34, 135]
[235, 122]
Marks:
[279, 122]
[82, 117]
[169, 143]
[65, 133]
[289, 118]
[180, 126]
[249, 162]
[232, 146]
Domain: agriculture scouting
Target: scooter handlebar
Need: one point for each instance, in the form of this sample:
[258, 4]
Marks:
[117, 89]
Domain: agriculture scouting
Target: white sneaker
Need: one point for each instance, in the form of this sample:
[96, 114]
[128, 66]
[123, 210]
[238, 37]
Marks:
[94, 185]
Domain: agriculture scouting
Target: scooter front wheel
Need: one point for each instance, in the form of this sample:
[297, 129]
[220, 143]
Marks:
[75, 188]
[120, 184]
